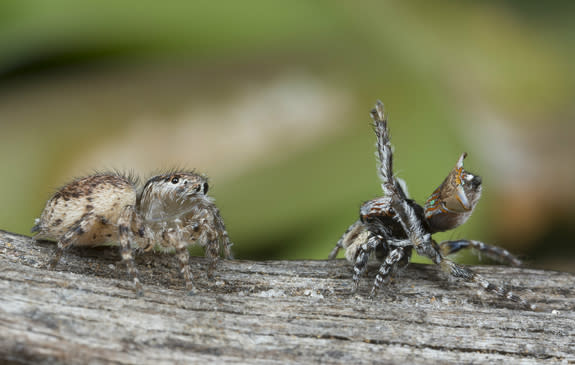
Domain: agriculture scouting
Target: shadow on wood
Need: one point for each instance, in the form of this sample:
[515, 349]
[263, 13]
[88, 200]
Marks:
[269, 312]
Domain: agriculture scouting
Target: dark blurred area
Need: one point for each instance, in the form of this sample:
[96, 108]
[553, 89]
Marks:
[271, 100]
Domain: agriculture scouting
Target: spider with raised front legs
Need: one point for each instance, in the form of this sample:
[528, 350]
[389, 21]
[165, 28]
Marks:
[393, 225]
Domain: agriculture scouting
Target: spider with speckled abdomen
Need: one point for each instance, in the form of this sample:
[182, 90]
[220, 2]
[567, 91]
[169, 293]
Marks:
[170, 212]
[393, 225]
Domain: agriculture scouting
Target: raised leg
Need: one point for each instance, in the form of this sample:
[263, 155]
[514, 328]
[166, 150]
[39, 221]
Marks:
[388, 265]
[384, 150]
[494, 252]
[126, 243]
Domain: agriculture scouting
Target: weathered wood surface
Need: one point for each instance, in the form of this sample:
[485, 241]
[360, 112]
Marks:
[269, 312]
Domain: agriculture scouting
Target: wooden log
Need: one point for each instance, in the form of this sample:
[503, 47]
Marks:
[252, 312]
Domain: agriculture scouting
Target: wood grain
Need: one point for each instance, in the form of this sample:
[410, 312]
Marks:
[269, 312]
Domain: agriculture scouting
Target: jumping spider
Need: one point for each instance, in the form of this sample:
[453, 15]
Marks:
[172, 211]
[393, 225]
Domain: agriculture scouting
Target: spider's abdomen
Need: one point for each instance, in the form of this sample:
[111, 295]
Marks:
[100, 197]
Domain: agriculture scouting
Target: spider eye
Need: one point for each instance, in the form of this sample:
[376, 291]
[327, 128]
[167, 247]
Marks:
[206, 188]
[175, 180]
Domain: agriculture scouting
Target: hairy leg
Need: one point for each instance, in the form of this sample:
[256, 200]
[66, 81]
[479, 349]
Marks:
[225, 244]
[175, 240]
[468, 275]
[384, 150]
[75, 233]
[361, 258]
[126, 243]
[388, 265]
[494, 252]
[212, 253]
[216, 232]
[347, 238]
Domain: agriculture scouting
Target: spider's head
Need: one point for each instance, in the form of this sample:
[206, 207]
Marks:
[452, 203]
[170, 194]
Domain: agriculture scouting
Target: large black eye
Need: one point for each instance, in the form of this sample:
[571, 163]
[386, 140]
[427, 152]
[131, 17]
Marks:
[206, 188]
[476, 181]
[175, 180]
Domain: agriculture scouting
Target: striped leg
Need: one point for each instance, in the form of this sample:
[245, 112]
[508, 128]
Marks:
[466, 274]
[175, 240]
[212, 253]
[388, 265]
[225, 244]
[207, 229]
[494, 252]
[361, 258]
[69, 238]
[384, 150]
[126, 243]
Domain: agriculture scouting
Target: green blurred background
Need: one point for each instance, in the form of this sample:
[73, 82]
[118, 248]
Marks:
[271, 100]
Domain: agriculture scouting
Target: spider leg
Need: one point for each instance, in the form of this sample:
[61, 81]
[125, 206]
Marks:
[427, 247]
[333, 253]
[362, 256]
[494, 252]
[225, 244]
[207, 228]
[403, 212]
[175, 239]
[72, 236]
[412, 226]
[126, 236]
[347, 238]
[468, 275]
[212, 248]
[384, 150]
[208, 233]
[389, 265]
[145, 236]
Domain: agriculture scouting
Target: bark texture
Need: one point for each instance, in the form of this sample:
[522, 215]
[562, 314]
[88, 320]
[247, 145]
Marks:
[269, 312]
